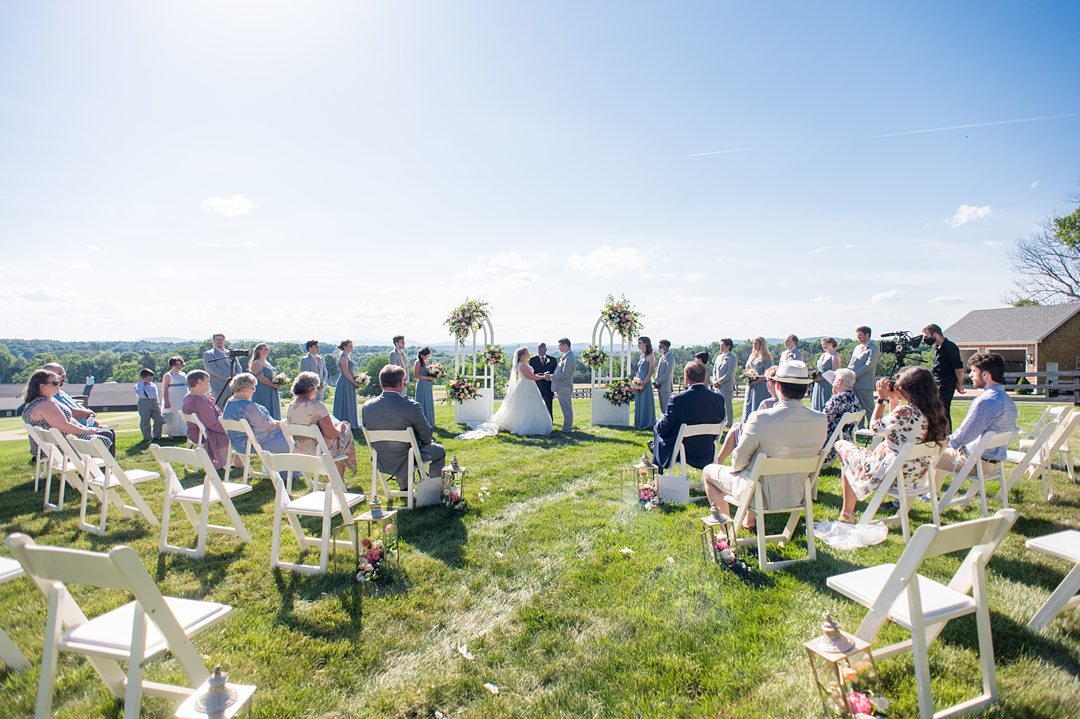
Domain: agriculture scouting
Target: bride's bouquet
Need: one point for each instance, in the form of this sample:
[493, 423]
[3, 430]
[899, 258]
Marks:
[460, 390]
[619, 392]
[749, 376]
[594, 357]
[362, 380]
[492, 355]
[436, 371]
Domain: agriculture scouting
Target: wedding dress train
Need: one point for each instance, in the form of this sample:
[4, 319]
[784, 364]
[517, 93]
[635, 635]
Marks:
[522, 412]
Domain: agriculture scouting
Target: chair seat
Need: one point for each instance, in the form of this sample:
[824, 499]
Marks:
[194, 494]
[938, 601]
[109, 635]
[1063, 545]
[134, 476]
[312, 503]
[1026, 444]
[1011, 455]
[9, 569]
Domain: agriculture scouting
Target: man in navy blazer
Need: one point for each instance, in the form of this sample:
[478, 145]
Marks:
[696, 405]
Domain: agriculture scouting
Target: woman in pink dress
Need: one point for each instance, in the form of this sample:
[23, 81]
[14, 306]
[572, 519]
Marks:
[198, 403]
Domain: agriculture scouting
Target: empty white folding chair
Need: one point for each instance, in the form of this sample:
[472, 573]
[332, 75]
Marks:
[194, 419]
[1050, 415]
[1028, 462]
[971, 473]
[423, 490]
[10, 569]
[675, 485]
[1063, 545]
[892, 486]
[1039, 457]
[751, 500]
[210, 490]
[110, 476]
[252, 448]
[137, 632]
[329, 502]
[898, 593]
[70, 469]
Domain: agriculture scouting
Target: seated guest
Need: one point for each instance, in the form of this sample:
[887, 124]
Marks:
[732, 438]
[697, 404]
[991, 412]
[915, 415]
[40, 409]
[79, 413]
[787, 430]
[393, 410]
[307, 409]
[266, 429]
[199, 403]
[842, 401]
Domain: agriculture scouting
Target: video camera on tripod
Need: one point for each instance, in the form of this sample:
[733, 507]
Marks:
[233, 354]
[904, 345]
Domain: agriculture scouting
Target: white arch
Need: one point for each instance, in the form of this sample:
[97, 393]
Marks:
[618, 366]
[480, 373]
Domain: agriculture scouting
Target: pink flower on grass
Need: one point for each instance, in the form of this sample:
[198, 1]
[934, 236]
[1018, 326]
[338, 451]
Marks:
[860, 703]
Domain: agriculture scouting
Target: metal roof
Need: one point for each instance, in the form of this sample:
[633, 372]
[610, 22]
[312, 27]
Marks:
[1010, 324]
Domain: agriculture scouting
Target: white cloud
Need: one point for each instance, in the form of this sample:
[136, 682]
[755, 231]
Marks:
[887, 296]
[823, 298]
[818, 250]
[228, 206]
[504, 265]
[968, 213]
[849, 247]
[78, 266]
[992, 243]
[946, 300]
[1033, 185]
[695, 277]
[227, 245]
[92, 248]
[607, 261]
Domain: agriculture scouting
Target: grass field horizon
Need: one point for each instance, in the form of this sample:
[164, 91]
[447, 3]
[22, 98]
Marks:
[531, 579]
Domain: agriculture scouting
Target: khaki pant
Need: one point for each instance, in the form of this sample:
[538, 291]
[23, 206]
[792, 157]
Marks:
[952, 460]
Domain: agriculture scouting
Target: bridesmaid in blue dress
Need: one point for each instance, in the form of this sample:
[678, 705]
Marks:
[345, 389]
[266, 391]
[424, 396]
[644, 403]
[759, 361]
[829, 359]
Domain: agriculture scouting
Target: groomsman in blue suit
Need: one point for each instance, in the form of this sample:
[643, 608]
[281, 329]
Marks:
[864, 362]
[312, 362]
[665, 373]
[697, 404]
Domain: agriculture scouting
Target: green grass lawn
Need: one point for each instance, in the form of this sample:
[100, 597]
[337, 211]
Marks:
[562, 623]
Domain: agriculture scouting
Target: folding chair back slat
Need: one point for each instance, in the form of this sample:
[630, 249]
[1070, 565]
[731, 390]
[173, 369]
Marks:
[194, 419]
[72, 566]
[849, 419]
[415, 461]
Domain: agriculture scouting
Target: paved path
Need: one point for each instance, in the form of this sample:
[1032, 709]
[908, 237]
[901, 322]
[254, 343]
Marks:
[113, 420]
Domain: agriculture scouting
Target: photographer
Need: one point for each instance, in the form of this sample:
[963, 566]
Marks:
[948, 368]
[222, 365]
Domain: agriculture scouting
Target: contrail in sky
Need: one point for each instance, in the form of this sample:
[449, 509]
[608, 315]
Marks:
[980, 124]
[719, 152]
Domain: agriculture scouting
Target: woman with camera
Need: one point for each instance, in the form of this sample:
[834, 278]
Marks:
[915, 414]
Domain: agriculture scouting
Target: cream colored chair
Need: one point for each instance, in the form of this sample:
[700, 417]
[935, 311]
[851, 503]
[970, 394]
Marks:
[971, 473]
[675, 485]
[893, 487]
[1063, 545]
[191, 417]
[10, 655]
[252, 449]
[110, 478]
[422, 491]
[70, 470]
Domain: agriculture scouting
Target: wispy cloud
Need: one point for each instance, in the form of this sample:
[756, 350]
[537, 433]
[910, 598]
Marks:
[887, 296]
[226, 245]
[607, 261]
[92, 248]
[823, 298]
[968, 126]
[969, 213]
[849, 247]
[1033, 185]
[233, 206]
[695, 277]
[946, 300]
[78, 266]
[720, 152]
[991, 243]
[819, 250]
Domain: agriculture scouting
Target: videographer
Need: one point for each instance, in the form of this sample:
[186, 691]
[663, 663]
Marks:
[948, 368]
[222, 365]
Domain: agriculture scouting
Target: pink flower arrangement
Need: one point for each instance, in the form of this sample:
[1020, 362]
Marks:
[621, 316]
[619, 392]
[465, 318]
[375, 559]
[860, 703]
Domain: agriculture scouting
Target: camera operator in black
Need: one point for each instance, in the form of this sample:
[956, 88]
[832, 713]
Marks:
[948, 368]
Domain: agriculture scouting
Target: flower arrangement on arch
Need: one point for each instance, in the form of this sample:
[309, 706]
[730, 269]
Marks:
[466, 318]
[376, 558]
[621, 316]
[619, 391]
[461, 389]
[436, 371]
[362, 380]
[594, 357]
[492, 355]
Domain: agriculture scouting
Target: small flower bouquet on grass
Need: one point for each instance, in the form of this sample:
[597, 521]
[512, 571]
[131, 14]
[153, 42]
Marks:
[377, 556]
[618, 392]
[460, 390]
[649, 495]
[728, 557]
[863, 704]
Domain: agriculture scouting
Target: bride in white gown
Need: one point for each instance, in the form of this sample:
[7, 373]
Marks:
[523, 410]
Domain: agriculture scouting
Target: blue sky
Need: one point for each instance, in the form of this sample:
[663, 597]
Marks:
[356, 169]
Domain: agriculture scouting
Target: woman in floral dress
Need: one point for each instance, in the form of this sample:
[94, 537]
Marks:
[915, 415]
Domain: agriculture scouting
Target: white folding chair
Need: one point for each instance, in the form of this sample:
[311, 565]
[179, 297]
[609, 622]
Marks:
[1050, 415]
[10, 655]
[70, 469]
[110, 476]
[849, 419]
[252, 449]
[422, 491]
[211, 490]
[894, 487]
[977, 481]
[144, 628]
[293, 432]
[924, 606]
[191, 417]
[1028, 462]
[1063, 545]
[751, 500]
[1039, 456]
[41, 456]
[327, 503]
[675, 486]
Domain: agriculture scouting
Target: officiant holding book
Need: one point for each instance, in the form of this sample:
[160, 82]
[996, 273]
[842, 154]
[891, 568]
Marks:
[542, 363]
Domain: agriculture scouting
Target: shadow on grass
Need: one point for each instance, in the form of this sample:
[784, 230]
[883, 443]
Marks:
[438, 532]
[310, 587]
[1013, 641]
[209, 570]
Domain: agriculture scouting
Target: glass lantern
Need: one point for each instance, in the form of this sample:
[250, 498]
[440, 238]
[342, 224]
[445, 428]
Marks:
[642, 480]
[839, 655]
[453, 485]
[716, 520]
[377, 552]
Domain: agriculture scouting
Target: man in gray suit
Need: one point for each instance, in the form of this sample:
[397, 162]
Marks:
[864, 362]
[562, 383]
[216, 362]
[393, 410]
[312, 362]
[723, 378]
[397, 357]
[665, 374]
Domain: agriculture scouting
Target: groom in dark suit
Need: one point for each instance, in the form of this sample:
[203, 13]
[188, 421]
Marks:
[696, 405]
[541, 363]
